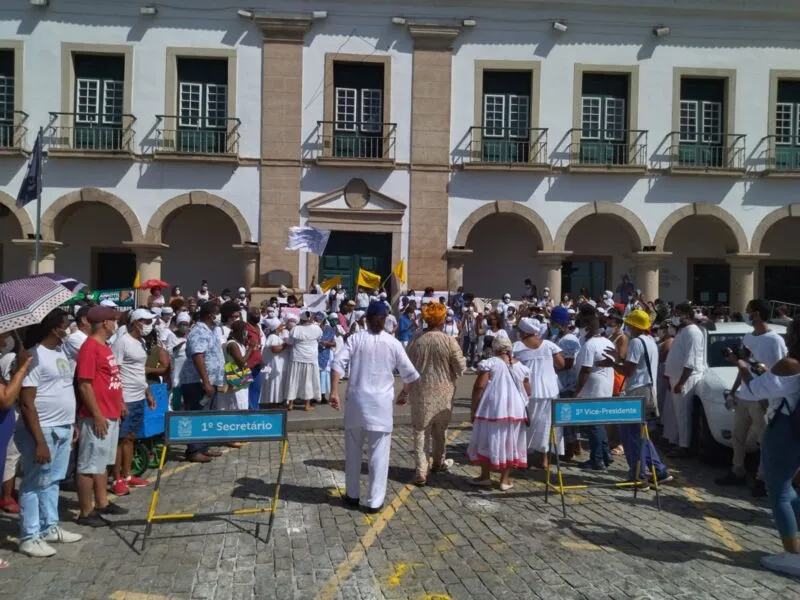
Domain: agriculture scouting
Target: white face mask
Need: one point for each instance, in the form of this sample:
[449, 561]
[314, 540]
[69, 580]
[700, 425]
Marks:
[546, 294]
[218, 319]
[675, 321]
[8, 346]
[147, 329]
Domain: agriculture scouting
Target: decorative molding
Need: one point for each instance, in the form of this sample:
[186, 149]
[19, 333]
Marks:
[433, 36]
[284, 28]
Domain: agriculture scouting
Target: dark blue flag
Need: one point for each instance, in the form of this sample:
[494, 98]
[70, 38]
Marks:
[32, 184]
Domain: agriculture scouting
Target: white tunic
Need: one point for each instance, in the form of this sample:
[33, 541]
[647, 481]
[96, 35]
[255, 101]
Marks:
[688, 351]
[372, 359]
[544, 387]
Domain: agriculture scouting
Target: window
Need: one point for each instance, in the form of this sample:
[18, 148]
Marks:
[202, 105]
[346, 109]
[99, 93]
[506, 129]
[6, 98]
[604, 119]
[701, 131]
[787, 125]
[358, 110]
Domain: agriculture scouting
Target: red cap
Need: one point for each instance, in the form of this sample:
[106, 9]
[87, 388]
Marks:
[98, 314]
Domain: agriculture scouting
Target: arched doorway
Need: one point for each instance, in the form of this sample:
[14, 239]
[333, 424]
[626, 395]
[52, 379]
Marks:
[14, 225]
[201, 241]
[780, 273]
[504, 247]
[697, 269]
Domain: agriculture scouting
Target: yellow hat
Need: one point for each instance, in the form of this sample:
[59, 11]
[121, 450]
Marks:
[638, 319]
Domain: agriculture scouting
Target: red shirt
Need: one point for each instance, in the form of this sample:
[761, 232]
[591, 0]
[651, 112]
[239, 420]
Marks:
[96, 363]
[254, 334]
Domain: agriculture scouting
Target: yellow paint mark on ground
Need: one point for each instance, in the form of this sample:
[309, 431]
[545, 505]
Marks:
[345, 568]
[368, 520]
[336, 492]
[513, 567]
[497, 545]
[694, 496]
[123, 595]
[436, 597]
[443, 546]
[586, 546]
[400, 569]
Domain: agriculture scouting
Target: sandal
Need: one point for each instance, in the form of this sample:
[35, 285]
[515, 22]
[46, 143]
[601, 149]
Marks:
[618, 451]
[308, 408]
[419, 482]
[290, 406]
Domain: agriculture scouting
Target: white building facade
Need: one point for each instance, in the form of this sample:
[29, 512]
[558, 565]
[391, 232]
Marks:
[483, 143]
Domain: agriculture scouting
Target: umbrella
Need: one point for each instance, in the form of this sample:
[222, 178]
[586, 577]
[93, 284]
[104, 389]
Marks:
[72, 284]
[153, 283]
[26, 302]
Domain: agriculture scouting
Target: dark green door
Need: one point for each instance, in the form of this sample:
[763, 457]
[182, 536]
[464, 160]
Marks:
[711, 284]
[346, 252]
[115, 270]
[782, 283]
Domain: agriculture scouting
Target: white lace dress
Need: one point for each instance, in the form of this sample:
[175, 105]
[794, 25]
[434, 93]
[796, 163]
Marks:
[544, 387]
[498, 433]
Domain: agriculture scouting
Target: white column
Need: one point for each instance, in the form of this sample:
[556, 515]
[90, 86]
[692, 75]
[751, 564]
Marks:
[647, 265]
[47, 255]
[148, 264]
[455, 267]
[743, 270]
[249, 254]
[550, 272]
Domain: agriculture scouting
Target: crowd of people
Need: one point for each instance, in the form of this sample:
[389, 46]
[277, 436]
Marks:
[81, 385]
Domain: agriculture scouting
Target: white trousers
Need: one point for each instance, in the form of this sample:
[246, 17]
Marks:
[678, 429]
[379, 445]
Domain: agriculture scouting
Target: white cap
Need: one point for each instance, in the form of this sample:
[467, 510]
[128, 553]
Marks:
[141, 314]
[156, 310]
[108, 303]
[184, 317]
[167, 310]
[242, 290]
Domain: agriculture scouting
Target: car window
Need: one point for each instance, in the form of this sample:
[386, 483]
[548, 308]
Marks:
[717, 342]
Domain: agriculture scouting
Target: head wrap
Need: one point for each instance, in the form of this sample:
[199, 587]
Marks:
[530, 326]
[501, 345]
[434, 313]
[272, 324]
[377, 308]
[291, 317]
[560, 315]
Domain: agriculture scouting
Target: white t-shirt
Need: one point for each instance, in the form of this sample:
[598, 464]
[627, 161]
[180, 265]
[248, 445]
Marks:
[390, 324]
[72, 345]
[767, 348]
[131, 357]
[51, 375]
[600, 383]
[635, 355]
[305, 343]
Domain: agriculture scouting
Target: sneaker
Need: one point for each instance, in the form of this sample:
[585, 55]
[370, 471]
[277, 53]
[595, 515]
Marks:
[9, 506]
[136, 482]
[112, 509]
[92, 520]
[37, 548]
[61, 536]
[120, 488]
[373, 510]
[786, 562]
[759, 490]
[445, 467]
[351, 502]
[731, 478]
[662, 479]
[644, 486]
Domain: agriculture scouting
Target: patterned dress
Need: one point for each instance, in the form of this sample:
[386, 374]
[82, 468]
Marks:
[439, 361]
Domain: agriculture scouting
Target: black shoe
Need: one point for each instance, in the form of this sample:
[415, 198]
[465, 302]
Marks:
[759, 490]
[373, 511]
[112, 509]
[591, 465]
[731, 478]
[92, 520]
[351, 502]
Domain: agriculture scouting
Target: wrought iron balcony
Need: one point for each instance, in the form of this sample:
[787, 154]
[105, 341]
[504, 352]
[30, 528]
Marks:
[182, 137]
[72, 132]
[607, 149]
[783, 154]
[339, 141]
[706, 153]
[13, 132]
[492, 147]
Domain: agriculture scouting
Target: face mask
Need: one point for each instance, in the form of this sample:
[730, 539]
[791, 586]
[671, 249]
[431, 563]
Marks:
[675, 321]
[204, 288]
[177, 292]
[748, 319]
[242, 295]
[218, 319]
[8, 346]
[554, 331]
[114, 328]
[546, 294]
[449, 319]
[147, 329]
[183, 328]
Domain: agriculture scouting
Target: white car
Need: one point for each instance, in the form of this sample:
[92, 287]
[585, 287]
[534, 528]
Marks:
[712, 422]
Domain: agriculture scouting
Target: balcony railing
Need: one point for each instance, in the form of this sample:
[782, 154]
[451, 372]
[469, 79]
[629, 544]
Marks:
[210, 137]
[783, 153]
[722, 152]
[13, 131]
[608, 148]
[90, 132]
[340, 140]
[503, 146]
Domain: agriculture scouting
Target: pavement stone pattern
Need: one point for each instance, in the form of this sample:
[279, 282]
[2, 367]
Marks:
[444, 541]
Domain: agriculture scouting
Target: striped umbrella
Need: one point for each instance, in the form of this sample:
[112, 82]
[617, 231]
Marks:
[27, 301]
[72, 284]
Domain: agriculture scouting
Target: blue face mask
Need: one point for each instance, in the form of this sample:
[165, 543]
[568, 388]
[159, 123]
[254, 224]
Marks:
[555, 331]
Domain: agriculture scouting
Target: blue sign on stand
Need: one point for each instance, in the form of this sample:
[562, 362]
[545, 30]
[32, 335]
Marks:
[225, 426]
[597, 411]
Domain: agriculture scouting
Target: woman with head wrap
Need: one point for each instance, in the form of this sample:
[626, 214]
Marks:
[274, 359]
[499, 402]
[302, 378]
[327, 344]
[543, 358]
[438, 359]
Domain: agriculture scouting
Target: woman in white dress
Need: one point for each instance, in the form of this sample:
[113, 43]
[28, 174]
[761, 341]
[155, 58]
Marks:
[450, 325]
[274, 360]
[302, 381]
[499, 400]
[543, 358]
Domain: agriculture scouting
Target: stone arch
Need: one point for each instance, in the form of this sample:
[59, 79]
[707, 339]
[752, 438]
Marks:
[56, 213]
[793, 210]
[701, 210]
[28, 230]
[633, 223]
[505, 207]
[171, 207]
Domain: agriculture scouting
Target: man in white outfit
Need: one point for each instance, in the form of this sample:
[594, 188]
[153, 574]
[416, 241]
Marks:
[685, 365]
[372, 356]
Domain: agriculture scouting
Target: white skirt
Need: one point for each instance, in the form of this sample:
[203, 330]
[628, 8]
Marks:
[272, 388]
[539, 428]
[302, 382]
[233, 400]
[500, 444]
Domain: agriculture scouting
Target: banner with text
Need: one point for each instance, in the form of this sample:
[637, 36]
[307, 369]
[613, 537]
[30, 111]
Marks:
[597, 411]
[225, 426]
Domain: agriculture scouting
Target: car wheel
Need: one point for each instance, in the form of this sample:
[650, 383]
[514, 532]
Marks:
[704, 446]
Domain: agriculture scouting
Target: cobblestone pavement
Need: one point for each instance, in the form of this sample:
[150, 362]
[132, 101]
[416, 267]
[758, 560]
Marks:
[447, 540]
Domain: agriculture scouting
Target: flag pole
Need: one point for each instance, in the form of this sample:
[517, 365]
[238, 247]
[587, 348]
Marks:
[37, 247]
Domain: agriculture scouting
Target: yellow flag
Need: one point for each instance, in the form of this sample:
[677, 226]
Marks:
[136, 281]
[368, 279]
[329, 284]
[400, 271]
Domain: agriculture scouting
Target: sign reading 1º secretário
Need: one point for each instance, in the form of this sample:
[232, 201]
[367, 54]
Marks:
[597, 411]
[225, 426]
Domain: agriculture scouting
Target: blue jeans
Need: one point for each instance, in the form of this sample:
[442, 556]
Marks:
[38, 490]
[631, 442]
[192, 395]
[780, 460]
[599, 456]
[254, 390]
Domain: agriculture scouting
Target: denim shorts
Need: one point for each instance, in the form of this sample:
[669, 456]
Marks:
[135, 419]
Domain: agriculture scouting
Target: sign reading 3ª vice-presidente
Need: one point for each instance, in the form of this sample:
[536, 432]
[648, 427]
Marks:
[597, 411]
[225, 426]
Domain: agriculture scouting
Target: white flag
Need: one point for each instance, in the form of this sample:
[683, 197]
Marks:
[316, 302]
[308, 239]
